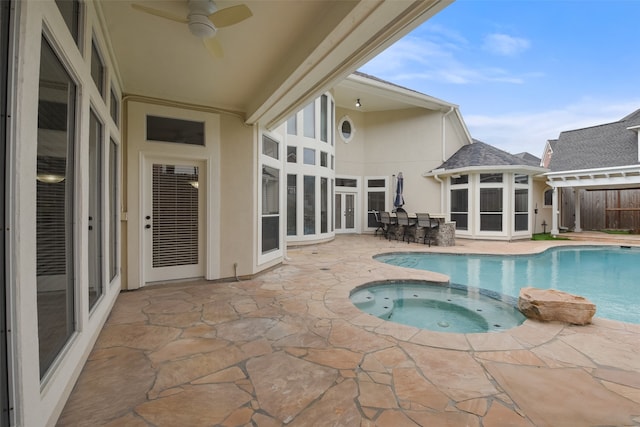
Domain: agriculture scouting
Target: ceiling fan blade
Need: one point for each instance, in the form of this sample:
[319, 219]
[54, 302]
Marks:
[230, 15]
[213, 46]
[160, 13]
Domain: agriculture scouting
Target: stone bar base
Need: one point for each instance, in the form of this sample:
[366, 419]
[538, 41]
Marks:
[445, 234]
[551, 304]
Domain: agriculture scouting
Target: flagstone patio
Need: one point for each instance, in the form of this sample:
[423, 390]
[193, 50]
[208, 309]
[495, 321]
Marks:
[288, 348]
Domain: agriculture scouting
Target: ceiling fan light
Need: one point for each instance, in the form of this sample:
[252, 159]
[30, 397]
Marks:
[200, 26]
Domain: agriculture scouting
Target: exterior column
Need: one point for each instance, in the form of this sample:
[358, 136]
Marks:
[576, 194]
[554, 213]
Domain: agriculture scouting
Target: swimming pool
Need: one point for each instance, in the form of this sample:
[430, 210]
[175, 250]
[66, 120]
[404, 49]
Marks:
[608, 276]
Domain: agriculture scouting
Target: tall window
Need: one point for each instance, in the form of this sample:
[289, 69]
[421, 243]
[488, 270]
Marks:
[95, 209]
[114, 208]
[5, 9]
[491, 202]
[460, 201]
[324, 126]
[97, 68]
[376, 195]
[292, 208]
[309, 204]
[55, 251]
[324, 205]
[270, 209]
[309, 120]
[521, 207]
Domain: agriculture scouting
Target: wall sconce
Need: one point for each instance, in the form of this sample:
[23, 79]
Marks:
[49, 178]
[358, 104]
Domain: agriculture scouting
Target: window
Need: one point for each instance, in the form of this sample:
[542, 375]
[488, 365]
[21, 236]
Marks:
[70, 10]
[309, 120]
[460, 208]
[55, 213]
[114, 108]
[95, 209]
[97, 68]
[375, 202]
[292, 208]
[324, 127]
[114, 208]
[459, 179]
[548, 197]
[490, 209]
[324, 204]
[346, 129]
[331, 130]
[292, 125]
[292, 154]
[309, 204]
[346, 182]
[332, 162]
[490, 178]
[175, 130]
[270, 209]
[376, 183]
[270, 147]
[521, 179]
[521, 209]
[323, 159]
[309, 156]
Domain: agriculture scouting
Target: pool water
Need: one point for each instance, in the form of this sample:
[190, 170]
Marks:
[608, 276]
[437, 307]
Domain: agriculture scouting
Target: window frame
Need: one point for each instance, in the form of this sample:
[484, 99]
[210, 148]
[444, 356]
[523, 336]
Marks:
[277, 164]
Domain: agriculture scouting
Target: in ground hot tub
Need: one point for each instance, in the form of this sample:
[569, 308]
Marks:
[437, 306]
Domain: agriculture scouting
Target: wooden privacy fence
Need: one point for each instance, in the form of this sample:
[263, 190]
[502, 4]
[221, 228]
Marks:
[602, 209]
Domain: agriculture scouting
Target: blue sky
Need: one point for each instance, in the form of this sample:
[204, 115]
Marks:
[522, 71]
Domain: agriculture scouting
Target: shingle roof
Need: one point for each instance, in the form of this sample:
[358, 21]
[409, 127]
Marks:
[607, 145]
[481, 154]
[529, 158]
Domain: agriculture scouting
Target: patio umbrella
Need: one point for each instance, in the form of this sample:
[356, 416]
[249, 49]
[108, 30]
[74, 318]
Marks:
[399, 200]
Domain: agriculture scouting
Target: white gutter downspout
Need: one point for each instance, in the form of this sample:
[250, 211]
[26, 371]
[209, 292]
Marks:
[437, 178]
[444, 144]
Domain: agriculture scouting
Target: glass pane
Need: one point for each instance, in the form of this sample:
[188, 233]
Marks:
[114, 207]
[292, 206]
[324, 204]
[521, 179]
[346, 182]
[55, 251]
[376, 183]
[338, 210]
[491, 200]
[292, 154]
[270, 230]
[114, 108]
[292, 125]
[491, 222]
[490, 177]
[522, 222]
[331, 129]
[375, 202]
[332, 198]
[309, 205]
[349, 209]
[70, 10]
[175, 130]
[175, 207]
[270, 147]
[548, 197]
[457, 180]
[95, 209]
[346, 130]
[324, 131]
[332, 164]
[323, 159]
[309, 156]
[309, 120]
[522, 200]
[459, 200]
[461, 221]
[270, 190]
[97, 68]
[5, 59]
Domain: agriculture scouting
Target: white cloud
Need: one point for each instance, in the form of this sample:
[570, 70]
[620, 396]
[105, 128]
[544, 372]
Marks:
[505, 45]
[529, 131]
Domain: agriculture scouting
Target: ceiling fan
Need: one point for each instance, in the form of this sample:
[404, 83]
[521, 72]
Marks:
[204, 18]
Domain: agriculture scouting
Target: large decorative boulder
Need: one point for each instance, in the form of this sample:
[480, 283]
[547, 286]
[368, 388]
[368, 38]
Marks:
[551, 304]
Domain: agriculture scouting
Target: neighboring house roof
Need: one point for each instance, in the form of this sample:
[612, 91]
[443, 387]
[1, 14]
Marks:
[480, 154]
[603, 146]
[529, 158]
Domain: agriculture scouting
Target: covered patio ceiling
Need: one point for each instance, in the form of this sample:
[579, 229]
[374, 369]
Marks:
[285, 54]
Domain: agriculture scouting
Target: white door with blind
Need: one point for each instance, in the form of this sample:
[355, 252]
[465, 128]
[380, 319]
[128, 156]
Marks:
[345, 212]
[173, 220]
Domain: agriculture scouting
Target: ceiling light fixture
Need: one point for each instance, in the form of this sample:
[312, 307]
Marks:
[358, 104]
